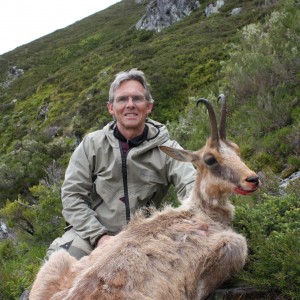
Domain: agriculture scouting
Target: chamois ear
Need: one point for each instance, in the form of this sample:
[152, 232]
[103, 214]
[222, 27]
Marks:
[179, 154]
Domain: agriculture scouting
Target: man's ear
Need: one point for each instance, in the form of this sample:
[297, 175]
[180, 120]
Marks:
[150, 107]
[110, 108]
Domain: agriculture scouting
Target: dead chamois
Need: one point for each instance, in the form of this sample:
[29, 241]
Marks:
[176, 253]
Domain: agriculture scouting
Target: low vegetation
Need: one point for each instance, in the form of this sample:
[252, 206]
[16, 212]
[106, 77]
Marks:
[253, 58]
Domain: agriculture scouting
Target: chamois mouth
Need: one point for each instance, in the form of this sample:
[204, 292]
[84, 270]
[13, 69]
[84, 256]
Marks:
[241, 191]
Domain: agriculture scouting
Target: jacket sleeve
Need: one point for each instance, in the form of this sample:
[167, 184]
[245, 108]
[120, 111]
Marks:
[180, 174]
[76, 190]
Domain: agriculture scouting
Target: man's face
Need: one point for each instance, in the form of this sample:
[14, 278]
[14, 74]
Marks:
[130, 108]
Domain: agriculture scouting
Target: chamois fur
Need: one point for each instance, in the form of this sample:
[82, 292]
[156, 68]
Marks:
[176, 253]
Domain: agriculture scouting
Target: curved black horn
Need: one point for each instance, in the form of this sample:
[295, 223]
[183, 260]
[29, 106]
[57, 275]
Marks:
[212, 117]
[222, 130]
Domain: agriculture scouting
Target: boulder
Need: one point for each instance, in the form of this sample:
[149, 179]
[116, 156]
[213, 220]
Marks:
[163, 13]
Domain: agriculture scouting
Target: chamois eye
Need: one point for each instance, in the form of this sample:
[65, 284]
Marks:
[210, 160]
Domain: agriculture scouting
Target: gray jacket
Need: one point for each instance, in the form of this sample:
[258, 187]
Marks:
[121, 187]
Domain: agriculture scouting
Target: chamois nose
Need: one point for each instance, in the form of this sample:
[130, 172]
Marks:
[253, 179]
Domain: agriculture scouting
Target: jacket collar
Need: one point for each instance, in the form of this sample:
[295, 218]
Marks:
[136, 141]
[157, 134]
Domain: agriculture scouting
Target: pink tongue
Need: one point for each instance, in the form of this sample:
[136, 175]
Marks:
[241, 191]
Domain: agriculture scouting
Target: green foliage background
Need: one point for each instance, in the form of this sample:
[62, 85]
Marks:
[252, 57]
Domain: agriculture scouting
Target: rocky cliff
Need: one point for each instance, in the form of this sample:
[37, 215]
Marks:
[163, 13]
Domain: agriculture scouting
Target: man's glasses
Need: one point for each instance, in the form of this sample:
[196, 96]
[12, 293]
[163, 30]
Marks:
[125, 99]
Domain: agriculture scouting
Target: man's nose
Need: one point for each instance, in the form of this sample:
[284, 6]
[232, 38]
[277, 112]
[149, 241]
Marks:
[130, 102]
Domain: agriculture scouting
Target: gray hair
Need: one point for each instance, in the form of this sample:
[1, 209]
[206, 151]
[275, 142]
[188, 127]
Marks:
[132, 74]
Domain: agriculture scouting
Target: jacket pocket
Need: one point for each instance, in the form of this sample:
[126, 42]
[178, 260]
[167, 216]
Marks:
[96, 199]
[150, 176]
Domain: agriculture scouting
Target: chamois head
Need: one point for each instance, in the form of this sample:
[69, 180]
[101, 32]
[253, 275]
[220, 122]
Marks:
[220, 170]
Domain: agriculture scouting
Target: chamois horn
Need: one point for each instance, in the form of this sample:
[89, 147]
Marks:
[222, 125]
[212, 117]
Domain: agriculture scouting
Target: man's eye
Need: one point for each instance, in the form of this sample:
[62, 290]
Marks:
[135, 99]
[122, 99]
[138, 98]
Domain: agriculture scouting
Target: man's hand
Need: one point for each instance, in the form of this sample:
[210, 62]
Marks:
[104, 239]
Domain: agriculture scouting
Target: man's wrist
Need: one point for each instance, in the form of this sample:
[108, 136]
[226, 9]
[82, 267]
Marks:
[98, 239]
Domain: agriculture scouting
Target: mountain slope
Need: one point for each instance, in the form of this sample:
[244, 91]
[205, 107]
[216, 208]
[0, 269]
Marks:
[54, 90]
[63, 91]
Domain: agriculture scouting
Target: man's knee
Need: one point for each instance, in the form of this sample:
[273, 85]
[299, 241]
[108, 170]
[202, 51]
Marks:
[72, 243]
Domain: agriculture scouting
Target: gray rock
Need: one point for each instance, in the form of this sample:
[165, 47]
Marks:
[236, 11]
[25, 295]
[213, 8]
[236, 293]
[285, 182]
[12, 74]
[163, 13]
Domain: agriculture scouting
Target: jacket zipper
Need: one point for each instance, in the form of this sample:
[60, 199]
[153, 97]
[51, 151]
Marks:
[125, 182]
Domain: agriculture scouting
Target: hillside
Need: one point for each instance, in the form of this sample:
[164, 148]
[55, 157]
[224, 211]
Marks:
[63, 91]
[54, 90]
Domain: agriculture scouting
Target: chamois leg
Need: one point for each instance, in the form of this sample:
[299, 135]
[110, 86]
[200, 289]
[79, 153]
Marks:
[227, 255]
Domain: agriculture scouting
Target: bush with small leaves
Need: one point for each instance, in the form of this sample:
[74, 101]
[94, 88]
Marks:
[272, 228]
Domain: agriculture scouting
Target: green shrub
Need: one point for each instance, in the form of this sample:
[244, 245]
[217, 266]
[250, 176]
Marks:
[272, 229]
[18, 272]
[7, 250]
[38, 217]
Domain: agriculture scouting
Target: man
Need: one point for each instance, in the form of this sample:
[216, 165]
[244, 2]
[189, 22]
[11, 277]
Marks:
[119, 169]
